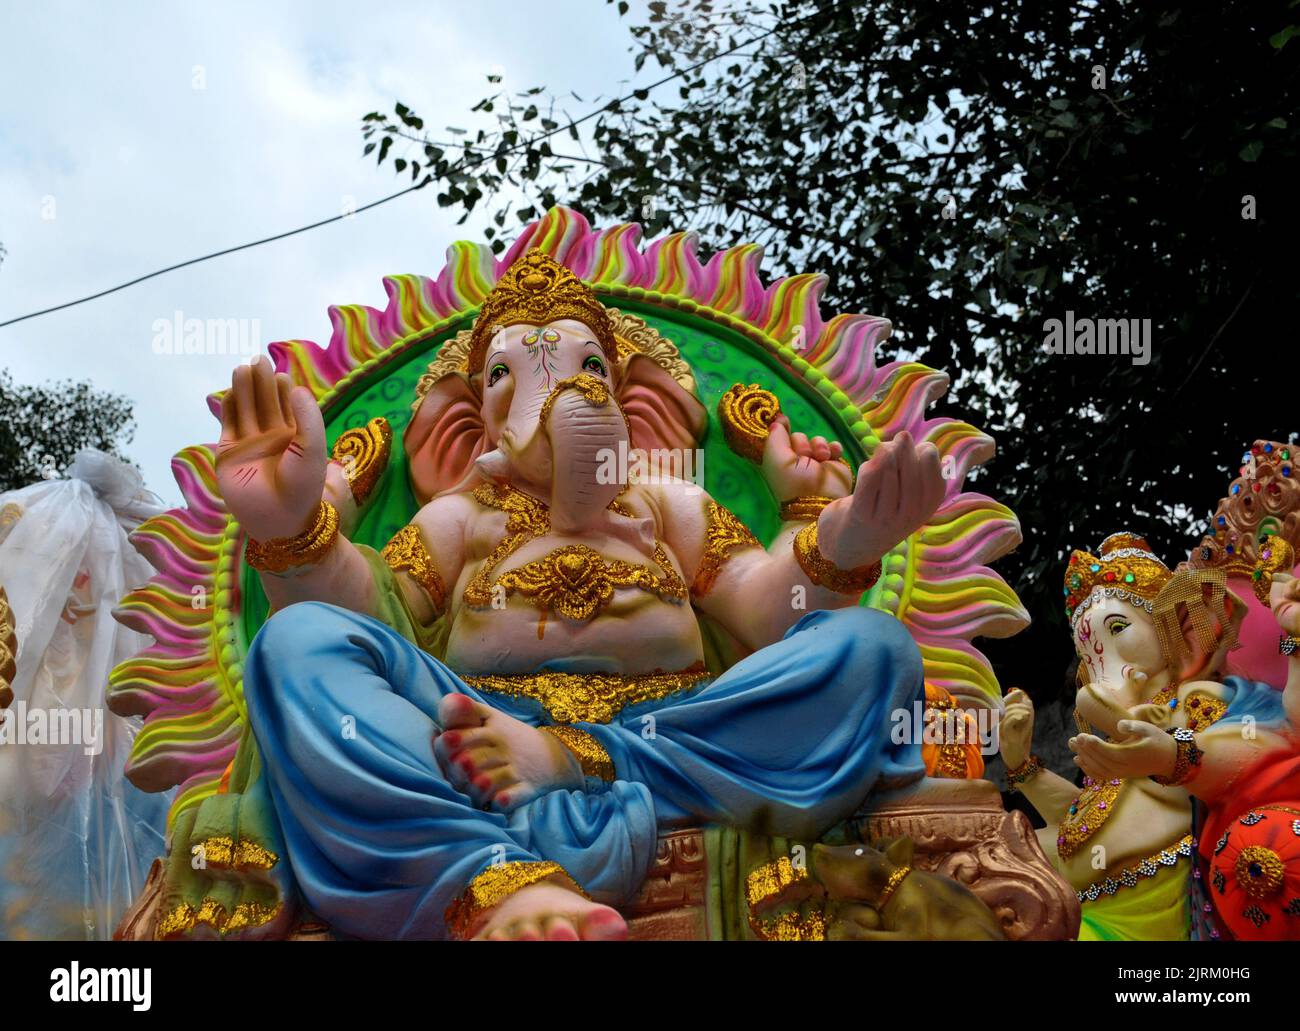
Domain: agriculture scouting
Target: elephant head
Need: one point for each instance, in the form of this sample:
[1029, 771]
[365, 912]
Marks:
[543, 398]
[1141, 629]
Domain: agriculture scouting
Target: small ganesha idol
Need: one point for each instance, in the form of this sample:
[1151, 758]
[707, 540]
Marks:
[1235, 747]
[1151, 644]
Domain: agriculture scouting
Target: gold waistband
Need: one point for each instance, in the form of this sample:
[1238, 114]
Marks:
[590, 697]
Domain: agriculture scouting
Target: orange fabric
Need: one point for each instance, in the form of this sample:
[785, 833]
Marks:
[954, 758]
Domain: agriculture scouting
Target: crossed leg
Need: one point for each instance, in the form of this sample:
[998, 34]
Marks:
[380, 839]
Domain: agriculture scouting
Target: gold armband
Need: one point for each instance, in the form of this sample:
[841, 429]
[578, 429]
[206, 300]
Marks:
[406, 553]
[589, 752]
[282, 553]
[821, 571]
[724, 535]
[804, 509]
[496, 884]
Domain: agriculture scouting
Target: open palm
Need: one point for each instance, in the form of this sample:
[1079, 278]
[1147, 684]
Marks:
[271, 456]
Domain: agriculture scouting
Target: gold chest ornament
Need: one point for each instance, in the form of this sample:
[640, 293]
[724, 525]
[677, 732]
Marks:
[1093, 807]
[576, 581]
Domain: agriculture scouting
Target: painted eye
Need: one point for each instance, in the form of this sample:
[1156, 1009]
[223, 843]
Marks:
[498, 370]
[593, 364]
[1117, 626]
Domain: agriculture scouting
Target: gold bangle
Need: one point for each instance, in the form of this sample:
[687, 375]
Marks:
[496, 884]
[891, 886]
[821, 571]
[803, 509]
[589, 752]
[281, 553]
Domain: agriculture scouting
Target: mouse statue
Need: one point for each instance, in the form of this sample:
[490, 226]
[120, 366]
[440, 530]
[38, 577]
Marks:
[863, 892]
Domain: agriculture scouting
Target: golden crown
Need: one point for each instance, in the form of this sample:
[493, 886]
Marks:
[537, 289]
[1126, 567]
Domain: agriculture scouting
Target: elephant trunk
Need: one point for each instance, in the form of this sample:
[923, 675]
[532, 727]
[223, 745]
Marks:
[564, 436]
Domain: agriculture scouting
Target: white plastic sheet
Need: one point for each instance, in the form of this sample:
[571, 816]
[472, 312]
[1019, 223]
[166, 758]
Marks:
[76, 839]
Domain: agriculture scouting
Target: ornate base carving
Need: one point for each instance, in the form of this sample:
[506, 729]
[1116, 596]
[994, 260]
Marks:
[959, 827]
[962, 831]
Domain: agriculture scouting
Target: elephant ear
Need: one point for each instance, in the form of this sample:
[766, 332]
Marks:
[445, 436]
[660, 411]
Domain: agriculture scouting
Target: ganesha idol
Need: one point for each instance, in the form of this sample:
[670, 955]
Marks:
[1190, 770]
[569, 608]
[553, 690]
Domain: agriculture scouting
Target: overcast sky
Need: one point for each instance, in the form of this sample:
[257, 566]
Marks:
[113, 164]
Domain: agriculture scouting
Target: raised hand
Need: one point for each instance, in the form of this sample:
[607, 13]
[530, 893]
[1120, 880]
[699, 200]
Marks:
[1016, 728]
[271, 456]
[897, 491]
[796, 467]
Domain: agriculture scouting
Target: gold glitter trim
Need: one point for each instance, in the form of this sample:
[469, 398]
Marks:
[1272, 871]
[494, 885]
[821, 571]
[593, 390]
[406, 553]
[724, 535]
[766, 882]
[747, 414]
[895, 879]
[1203, 710]
[8, 650]
[526, 518]
[363, 452]
[1091, 808]
[1130, 876]
[589, 752]
[804, 509]
[282, 553]
[223, 852]
[589, 697]
[211, 913]
[536, 290]
[574, 577]
[791, 927]
[577, 581]
[1276, 556]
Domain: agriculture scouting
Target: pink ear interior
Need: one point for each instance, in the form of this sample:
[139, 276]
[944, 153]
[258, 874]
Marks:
[445, 437]
[661, 412]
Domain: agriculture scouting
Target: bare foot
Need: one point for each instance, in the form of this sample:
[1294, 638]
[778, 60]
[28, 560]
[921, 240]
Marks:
[497, 760]
[550, 912]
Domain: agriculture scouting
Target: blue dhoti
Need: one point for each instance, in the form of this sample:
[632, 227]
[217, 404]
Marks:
[344, 709]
